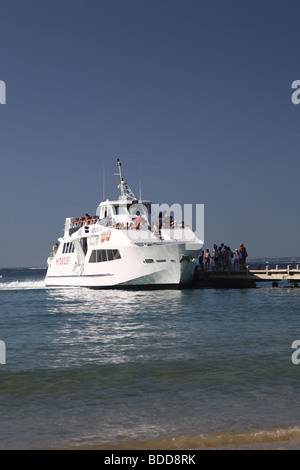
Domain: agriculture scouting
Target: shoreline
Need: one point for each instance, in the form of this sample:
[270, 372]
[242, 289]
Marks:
[277, 438]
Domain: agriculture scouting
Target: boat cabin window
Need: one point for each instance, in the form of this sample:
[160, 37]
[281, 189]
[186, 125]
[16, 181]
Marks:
[99, 256]
[84, 246]
[107, 211]
[68, 247]
[121, 210]
[133, 208]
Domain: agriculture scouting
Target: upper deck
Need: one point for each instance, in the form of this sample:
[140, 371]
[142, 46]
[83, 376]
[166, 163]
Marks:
[138, 217]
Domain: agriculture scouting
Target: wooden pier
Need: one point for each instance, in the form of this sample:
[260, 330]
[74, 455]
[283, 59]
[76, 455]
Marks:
[247, 278]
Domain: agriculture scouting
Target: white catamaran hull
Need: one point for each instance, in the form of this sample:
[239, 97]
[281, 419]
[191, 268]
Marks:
[160, 265]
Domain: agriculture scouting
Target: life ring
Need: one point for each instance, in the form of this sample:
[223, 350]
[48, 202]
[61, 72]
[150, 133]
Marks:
[105, 236]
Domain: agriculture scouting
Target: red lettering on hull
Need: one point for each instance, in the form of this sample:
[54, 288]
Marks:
[62, 261]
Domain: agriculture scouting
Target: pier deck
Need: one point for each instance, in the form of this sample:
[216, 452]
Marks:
[247, 278]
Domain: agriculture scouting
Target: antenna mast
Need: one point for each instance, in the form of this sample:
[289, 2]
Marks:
[103, 185]
[126, 192]
[140, 181]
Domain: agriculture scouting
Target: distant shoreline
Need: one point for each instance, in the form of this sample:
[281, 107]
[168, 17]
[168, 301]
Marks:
[288, 259]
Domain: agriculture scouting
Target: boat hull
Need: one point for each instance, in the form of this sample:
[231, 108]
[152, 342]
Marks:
[157, 266]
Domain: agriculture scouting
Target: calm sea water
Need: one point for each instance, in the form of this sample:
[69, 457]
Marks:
[182, 368]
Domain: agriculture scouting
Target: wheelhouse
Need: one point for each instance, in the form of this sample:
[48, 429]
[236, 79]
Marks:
[124, 211]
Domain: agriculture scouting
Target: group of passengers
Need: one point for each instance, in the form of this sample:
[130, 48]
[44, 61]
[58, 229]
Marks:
[85, 220]
[166, 224]
[221, 258]
[138, 223]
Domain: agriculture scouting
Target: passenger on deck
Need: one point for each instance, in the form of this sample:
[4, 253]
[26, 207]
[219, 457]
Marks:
[138, 221]
[154, 227]
[54, 249]
[160, 219]
[75, 223]
[88, 219]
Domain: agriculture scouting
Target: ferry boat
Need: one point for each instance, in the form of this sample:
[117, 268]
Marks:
[121, 247]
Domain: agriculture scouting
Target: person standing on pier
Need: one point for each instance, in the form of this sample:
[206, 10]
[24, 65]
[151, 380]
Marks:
[207, 260]
[201, 256]
[243, 255]
[236, 260]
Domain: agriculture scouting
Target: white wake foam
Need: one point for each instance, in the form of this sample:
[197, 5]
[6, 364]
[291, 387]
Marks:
[22, 285]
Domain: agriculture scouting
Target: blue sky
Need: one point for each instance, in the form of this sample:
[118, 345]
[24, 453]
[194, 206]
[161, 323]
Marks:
[197, 93]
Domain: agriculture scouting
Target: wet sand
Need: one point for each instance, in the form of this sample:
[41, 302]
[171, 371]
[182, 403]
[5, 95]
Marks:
[271, 439]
